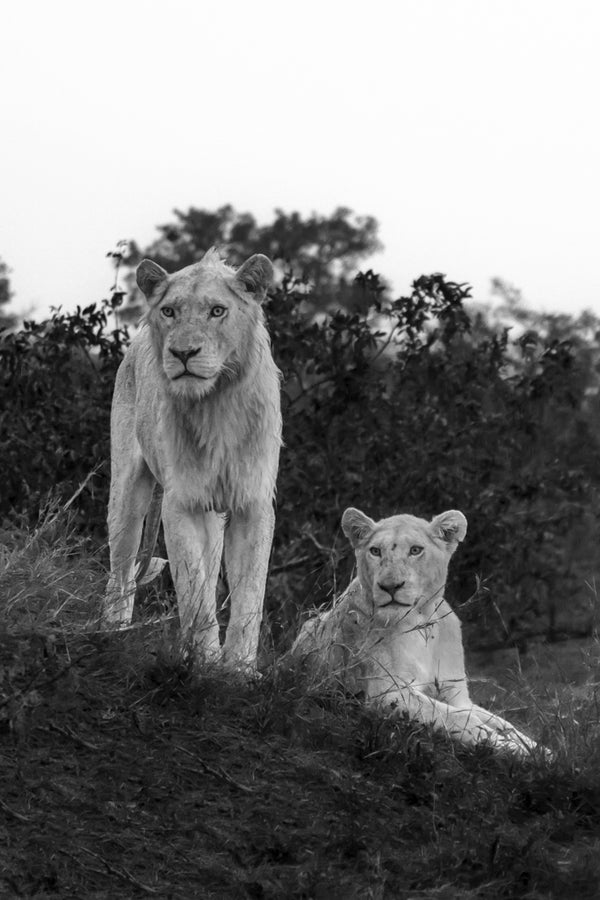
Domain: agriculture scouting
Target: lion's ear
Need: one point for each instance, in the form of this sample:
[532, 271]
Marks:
[356, 525]
[450, 526]
[256, 276]
[148, 276]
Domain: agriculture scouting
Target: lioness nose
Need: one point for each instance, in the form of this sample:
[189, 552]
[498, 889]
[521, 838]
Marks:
[184, 355]
[391, 588]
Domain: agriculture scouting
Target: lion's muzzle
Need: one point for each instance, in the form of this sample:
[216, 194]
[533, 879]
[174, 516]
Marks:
[190, 364]
[184, 355]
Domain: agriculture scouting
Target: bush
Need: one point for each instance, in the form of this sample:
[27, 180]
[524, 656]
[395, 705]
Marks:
[56, 380]
[403, 405]
[411, 407]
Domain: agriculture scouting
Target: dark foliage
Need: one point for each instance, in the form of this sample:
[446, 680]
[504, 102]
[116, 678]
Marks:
[320, 247]
[322, 252]
[405, 408]
[7, 319]
[389, 405]
[55, 390]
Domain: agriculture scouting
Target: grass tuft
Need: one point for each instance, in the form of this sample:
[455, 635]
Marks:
[49, 576]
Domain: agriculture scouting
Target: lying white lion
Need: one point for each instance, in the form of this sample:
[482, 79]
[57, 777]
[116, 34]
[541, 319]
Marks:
[392, 636]
[196, 412]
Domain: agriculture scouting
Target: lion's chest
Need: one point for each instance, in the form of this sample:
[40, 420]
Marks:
[217, 451]
[412, 652]
[213, 465]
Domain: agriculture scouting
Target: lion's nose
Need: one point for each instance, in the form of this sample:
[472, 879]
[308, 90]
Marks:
[391, 588]
[184, 355]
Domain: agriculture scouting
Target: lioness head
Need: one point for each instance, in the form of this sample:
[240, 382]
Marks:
[403, 561]
[202, 319]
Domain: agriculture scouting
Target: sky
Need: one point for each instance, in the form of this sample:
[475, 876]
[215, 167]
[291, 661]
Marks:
[468, 128]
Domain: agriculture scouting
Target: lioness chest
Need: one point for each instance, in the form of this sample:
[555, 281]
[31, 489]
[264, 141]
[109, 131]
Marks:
[420, 650]
[400, 654]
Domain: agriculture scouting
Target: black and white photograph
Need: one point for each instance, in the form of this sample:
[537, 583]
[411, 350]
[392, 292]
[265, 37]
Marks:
[300, 450]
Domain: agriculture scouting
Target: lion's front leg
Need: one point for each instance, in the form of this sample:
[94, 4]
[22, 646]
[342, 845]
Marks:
[456, 694]
[194, 546]
[130, 494]
[503, 728]
[248, 541]
[464, 725]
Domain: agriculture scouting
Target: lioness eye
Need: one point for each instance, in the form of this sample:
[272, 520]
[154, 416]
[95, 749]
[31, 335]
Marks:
[218, 311]
[374, 551]
[168, 311]
[415, 550]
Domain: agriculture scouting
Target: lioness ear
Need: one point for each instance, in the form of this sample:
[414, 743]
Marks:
[148, 275]
[356, 525]
[450, 526]
[256, 275]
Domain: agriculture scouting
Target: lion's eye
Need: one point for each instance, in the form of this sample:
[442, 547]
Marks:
[218, 311]
[374, 551]
[415, 550]
[167, 311]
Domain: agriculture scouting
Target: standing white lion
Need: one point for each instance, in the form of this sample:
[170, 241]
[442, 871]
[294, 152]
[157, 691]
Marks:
[196, 410]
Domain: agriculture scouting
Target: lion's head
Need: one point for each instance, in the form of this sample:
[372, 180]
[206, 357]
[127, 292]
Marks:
[203, 318]
[403, 561]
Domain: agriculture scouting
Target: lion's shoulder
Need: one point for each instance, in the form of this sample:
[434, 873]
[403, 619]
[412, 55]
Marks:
[340, 626]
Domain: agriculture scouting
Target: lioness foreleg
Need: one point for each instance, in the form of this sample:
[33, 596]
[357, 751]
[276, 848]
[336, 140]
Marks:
[194, 545]
[463, 724]
[248, 541]
[503, 728]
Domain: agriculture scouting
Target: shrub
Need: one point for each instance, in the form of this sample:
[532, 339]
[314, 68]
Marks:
[408, 404]
[410, 407]
[56, 380]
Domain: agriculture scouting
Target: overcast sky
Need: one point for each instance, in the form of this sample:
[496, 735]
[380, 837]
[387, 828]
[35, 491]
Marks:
[468, 128]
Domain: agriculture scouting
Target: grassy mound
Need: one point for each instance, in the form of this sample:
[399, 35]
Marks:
[124, 773]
